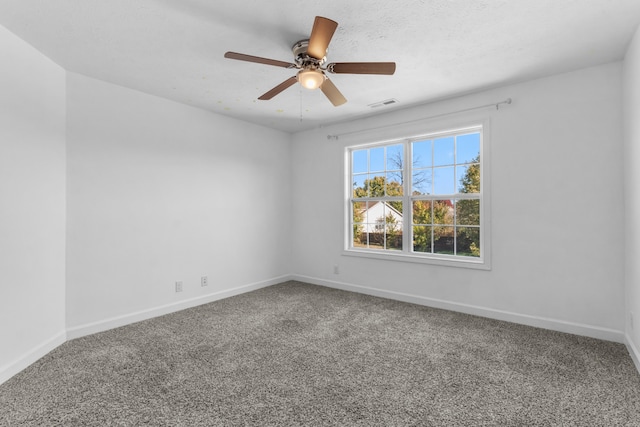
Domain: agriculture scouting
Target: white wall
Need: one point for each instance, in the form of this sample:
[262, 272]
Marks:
[557, 256]
[32, 204]
[631, 88]
[158, 192]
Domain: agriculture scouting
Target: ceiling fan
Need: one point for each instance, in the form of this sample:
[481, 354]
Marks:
[310, 56]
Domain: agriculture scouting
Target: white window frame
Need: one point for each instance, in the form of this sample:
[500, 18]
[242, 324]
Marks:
[407, 254]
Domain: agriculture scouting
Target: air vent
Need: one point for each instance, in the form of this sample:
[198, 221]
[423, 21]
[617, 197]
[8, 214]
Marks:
[384, 103]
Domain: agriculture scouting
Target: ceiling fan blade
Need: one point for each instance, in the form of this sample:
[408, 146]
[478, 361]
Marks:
[321, 34]
[276, 90]
[267, 61]
[332, 92]
[387, 68]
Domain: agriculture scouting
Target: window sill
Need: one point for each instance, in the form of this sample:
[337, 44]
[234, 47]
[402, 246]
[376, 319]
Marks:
[478, 264]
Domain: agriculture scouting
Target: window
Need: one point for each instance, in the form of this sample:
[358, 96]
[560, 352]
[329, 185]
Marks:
[428, 208]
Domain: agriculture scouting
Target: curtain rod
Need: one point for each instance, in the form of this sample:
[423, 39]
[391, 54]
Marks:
[495, 104]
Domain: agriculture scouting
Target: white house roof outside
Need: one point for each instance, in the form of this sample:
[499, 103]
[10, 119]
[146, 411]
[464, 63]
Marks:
[374, 214]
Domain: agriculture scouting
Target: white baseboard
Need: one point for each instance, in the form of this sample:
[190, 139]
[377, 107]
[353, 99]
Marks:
[524, 319]
[633, 352]
[115, 322]
[31, 356]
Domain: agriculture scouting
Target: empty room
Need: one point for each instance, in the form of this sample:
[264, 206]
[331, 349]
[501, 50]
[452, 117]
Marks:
[419, 213]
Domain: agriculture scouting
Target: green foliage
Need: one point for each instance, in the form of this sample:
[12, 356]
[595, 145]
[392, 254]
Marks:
[429, 212]
[468, 213]
[475, 250]
[442, 212]
[436, 225]
[468, 241]
[376, 187]
[422, 212]
[393, 232]
[470, 182]
[422, 239]
[358, 216]
[379, 187]
[392, 224]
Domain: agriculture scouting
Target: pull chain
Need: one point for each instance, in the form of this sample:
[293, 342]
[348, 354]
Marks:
[300, 88]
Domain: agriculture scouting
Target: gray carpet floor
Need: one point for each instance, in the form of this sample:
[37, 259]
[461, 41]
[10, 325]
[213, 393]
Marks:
[297, 354]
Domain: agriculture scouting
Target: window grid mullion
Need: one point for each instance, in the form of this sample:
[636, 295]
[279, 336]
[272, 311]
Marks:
[455, 201]
[407, 228]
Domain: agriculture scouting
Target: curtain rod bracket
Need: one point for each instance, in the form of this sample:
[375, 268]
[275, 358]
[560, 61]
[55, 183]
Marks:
[506, 101]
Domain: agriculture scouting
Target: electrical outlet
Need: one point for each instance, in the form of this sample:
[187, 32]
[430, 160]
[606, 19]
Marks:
[204, 281]
[631, 320]
[179, 286]
[336, 269]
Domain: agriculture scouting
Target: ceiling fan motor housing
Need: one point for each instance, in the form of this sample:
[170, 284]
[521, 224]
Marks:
[302, 58]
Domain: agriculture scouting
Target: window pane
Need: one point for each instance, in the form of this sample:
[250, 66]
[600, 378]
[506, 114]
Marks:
[359, 161]
[421, 154]
[422, 212]
[394, 236]
[443, 239]
[468, 212]
[358, 212]
[443, 212]
[443, 151]
[395, 157]
[379, 224]
[421, 181]
[393, 215]
[367, 214]
[359, 234]
[387, 229]
[359, 223]
[468, 178]
[422, 239]
[374, 225]
[396, 208]
[359, 238]
[468, 148]
[376, 230]
[468, 241]
[443, 180]
[376, 159]
[359, 186]
[376, 185]
[394, 184]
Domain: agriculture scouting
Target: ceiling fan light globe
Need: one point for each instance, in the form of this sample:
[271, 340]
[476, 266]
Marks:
[310, 79]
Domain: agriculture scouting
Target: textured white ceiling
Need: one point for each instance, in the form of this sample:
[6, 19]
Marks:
[174, 48]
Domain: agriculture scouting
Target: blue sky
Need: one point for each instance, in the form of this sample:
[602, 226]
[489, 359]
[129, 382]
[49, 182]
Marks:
[439, 163]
